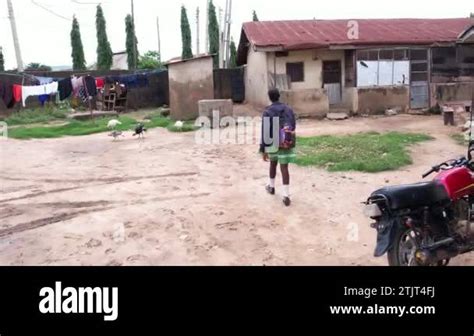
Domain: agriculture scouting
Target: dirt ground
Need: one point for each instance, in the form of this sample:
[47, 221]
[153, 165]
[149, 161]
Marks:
[168, 201]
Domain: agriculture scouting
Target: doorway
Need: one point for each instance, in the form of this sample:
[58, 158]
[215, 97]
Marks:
[332, 81]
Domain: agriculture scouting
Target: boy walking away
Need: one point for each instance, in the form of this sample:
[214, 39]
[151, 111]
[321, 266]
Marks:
[278, 142]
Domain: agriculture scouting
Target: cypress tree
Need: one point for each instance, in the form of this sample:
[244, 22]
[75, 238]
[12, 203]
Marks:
[213, 33]
[233, 54]
[104, 51]
[255, 17]
[186, 35]
[2, 60]
[78, 59]
[131, 43]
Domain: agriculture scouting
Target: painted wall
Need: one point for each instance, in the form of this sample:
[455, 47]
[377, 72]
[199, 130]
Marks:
[190, 82]
[378, 99]
[311, 103]
[350, 99]
[256, 78]
[313, 66]
[451, 92]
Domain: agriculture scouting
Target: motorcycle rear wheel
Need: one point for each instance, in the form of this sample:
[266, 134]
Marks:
[406, 242]
[405, 245]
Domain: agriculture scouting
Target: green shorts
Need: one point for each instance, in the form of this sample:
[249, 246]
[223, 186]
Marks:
[283, 156]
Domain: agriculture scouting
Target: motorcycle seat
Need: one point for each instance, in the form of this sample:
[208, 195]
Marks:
[414, 195]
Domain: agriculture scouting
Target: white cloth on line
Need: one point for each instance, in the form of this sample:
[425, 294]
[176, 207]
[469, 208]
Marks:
[51, 88]
[77, 83]
[38, 90]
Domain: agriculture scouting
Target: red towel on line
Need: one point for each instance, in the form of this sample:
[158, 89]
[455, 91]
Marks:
[100, 82]
[17, 93]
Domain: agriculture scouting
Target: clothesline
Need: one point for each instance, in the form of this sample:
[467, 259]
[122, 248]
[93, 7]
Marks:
[84, 87]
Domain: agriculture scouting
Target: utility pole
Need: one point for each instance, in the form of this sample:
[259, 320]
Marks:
[16, 41]
[221, 40]
[198, 42]
[135, 51]
[227, 37]
[206, 48]
[159, 38]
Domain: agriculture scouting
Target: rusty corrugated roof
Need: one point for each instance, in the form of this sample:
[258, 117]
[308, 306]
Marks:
[291, 35]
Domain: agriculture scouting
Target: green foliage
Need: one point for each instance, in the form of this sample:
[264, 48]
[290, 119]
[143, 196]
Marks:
[186, 35]
[2, 61]
[104, 50]
[254, 16]
[36, 116]
[364, 152]
[233, 54]
[74, 128]
[38, 67]
[79, 128]
[78, 58]
[213, 33]
[131, 42]
[149, 61]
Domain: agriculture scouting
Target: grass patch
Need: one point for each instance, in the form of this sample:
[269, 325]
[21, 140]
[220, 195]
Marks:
[74, 128]
[159, 122]
[36, 116]
[364, 152]
[460, 139]
[80, 128]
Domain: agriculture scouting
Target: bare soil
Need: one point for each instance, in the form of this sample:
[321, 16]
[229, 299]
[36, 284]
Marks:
[168, 201]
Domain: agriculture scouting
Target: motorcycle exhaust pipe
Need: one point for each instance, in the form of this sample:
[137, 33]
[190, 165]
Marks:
[440, 251]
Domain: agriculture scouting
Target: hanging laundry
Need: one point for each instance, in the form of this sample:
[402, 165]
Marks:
[44, 80]
[6, 94]
[17, 93]
[65, 88]
[77, 83]
[90, 85]
[139, 80]
[43, 99]
[100, 82]
[38, 90]
[27, 91]
[82, 94]
[51, 88]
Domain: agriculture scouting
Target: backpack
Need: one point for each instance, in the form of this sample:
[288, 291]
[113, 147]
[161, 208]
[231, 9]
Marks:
[287, 134]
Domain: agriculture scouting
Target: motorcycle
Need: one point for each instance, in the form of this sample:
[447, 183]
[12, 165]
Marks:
[426, 224]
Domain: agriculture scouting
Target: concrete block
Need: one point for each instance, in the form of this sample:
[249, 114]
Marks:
[224, 107]
[338, 116]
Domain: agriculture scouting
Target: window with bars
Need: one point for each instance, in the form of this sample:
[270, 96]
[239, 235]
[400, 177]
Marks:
[383, 67]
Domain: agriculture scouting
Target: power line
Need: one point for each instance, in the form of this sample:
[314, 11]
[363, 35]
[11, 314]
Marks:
[50, 11]
[89, 3]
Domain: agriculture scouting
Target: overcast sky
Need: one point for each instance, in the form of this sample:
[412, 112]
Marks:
[44, 37]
